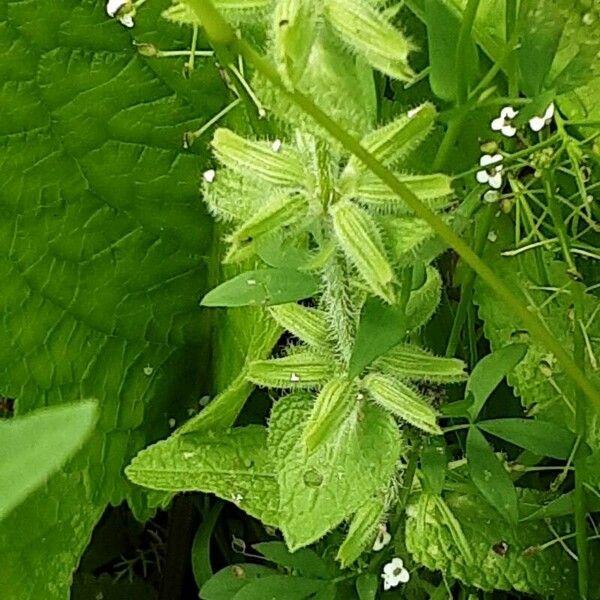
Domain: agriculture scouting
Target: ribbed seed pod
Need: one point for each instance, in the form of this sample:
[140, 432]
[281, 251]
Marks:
[258, 159]
[307, 324]
[394, 141]
[362, 531]
[371, 36]
[434, 190]
[303, 369]
[281, 211]
[360, 240]
[331, 409]
[424, 301]
[413, 363]
[294, 26]
[402, 400]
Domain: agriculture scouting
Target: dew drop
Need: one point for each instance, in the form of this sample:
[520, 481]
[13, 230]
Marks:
[313, 478]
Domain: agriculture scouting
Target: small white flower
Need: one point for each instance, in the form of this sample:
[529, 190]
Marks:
[504, 122]
[538, 123]
[492, 173]
[276, 146]
[383, 538]
[122, 10]
[209, 176]
[394, 573]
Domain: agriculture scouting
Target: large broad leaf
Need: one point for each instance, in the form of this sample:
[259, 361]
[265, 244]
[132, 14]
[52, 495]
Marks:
[544, 389]
[234, 465]
[501, 558]
[36, 445]
[318, 491]
[102, 259]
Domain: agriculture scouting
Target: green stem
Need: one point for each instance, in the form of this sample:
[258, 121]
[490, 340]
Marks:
[220, 32]
[512, 65]
[452, 132]
[462, 50]
[581, 539]
[467, 287]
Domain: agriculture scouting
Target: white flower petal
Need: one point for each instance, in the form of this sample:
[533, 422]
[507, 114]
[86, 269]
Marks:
[127, 21]
[509, 131]
[404, 576]
[209, 176]
[496, 158]
[276, 145]
[508, 112]
[113, 6]
[495, 181]
[549, 112]
[486, 159]
[537, 123]
[397, 563]
[497, 124]
[387, 584]
[482, 176]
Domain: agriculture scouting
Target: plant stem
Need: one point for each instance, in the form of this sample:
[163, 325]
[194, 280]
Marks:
[512, 66]
[221, 33]
[179, 545]
[462, 49]
[467, 287]
[581, 539]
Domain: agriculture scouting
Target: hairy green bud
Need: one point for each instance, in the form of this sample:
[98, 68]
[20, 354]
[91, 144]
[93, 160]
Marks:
[307, 324]
[413, 363]
[332, 407]
[403, 401]
[361, 241]
[370, 35]
[362, 531]
[301, 370]
[261, 160]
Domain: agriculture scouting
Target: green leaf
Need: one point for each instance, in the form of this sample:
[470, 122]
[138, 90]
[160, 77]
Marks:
[280, 587]
[537, 379]
[380, 328]
[233, 465]
[36, 445]
[443, 27]
[434, 464]
[548, 574]
[540, 437]
[105, 262]
[305, 561]
[367, 586]
[263, 286]
[319, 491]
[538, 43]
[490, 477]
[489, 372]
[230, 580]
[403, 401]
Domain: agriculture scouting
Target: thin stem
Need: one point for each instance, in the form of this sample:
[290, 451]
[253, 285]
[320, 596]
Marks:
[467, 287]
[512, 66]
[580, 457]
[462, 50]
[221, 33]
